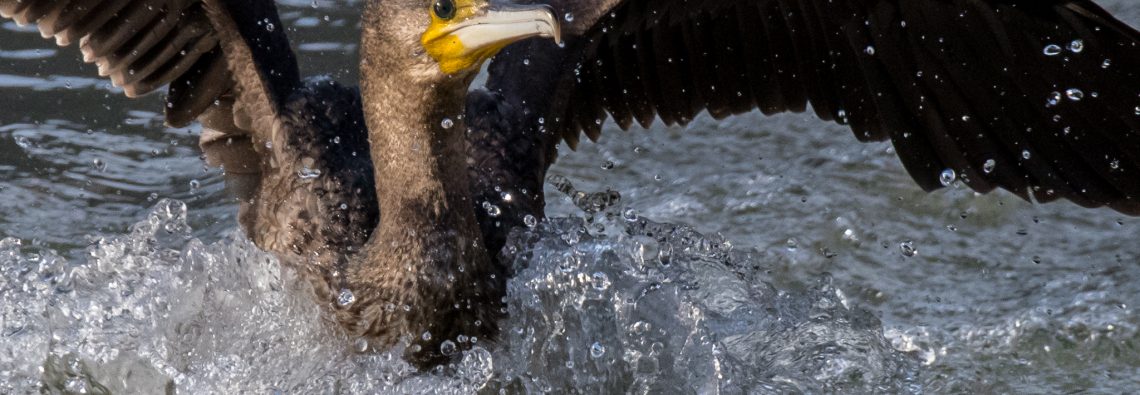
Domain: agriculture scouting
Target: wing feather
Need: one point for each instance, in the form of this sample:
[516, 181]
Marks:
[141, 45]
[959, 85]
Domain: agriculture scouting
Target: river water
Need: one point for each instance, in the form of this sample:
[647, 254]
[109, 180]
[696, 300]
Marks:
[751, 255]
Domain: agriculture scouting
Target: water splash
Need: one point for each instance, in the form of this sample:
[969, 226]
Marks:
[644, 307]
[157, 309]
[639, 306]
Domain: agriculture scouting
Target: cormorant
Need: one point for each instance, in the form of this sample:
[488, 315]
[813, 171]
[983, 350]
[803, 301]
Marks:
[379, 194]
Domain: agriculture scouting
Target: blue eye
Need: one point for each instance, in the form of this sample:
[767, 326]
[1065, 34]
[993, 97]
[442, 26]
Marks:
[444, 9]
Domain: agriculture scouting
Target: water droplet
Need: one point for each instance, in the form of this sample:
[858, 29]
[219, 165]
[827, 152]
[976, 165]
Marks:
[530, 221]
[426, 336]
[1074, 94]
[1052, 50]
[269, 27]
[568, 264]
[597, 350]
[870, 50]
[1114, 165]
[194, 185]
[446, 123]
[1106, 63]
[360, 344]
[1137, 109]
[569, 17]
[24, 143]
[600, 281]
[1025, 154]
[665, 254]
[492, 210]
[1076, 46]
[307, 173]
[526, 62]
[100, 165]
[989, 166]
[908, 249]
[965, 118]
[947, 177]
[345, 297]
[1053, 100]
[607, 165]
[447, 348]
[629, 214]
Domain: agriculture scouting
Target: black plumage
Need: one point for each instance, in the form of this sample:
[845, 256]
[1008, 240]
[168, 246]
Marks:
[954, 84]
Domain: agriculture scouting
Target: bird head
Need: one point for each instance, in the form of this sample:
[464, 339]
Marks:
[464, 33]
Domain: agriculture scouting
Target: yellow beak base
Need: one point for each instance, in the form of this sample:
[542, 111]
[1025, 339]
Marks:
[463, 43]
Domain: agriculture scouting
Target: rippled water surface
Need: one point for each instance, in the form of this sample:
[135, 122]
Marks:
[756, 254]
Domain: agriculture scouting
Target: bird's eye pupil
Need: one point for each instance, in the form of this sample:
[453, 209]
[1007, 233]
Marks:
[444, 9]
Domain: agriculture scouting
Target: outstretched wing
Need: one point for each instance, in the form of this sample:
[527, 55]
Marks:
[228, 64]
[141, 45]
[1039, 97]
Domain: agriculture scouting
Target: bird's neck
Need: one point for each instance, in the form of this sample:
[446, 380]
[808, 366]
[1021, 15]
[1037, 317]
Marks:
[425, 268]
[416, 137]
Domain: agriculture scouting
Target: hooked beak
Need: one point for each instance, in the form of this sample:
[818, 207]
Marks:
[464, 44]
